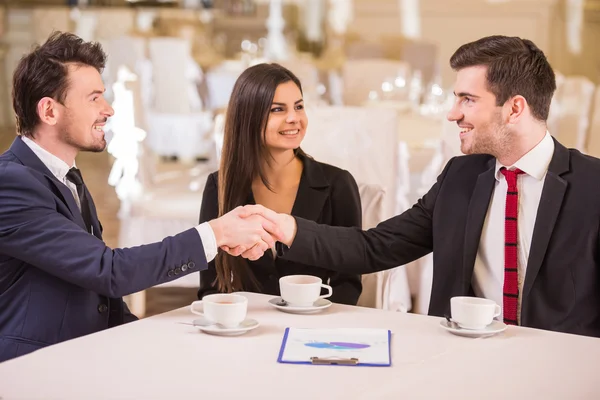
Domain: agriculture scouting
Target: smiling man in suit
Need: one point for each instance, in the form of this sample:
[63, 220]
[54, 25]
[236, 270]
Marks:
[58, 280]
[517, 220]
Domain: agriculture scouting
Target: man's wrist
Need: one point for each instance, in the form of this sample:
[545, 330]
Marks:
[217, 229]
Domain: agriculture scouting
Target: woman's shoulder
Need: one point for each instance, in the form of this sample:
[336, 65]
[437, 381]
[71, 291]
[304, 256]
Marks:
[213, 178]
[328, 171]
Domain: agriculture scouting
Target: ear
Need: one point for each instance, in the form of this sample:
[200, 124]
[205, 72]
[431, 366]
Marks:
[48, 111]
[516, 108]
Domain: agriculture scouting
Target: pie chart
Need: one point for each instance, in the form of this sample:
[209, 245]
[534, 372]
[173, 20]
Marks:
[338, 345]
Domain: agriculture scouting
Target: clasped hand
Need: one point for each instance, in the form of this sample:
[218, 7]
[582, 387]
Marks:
[251, 230]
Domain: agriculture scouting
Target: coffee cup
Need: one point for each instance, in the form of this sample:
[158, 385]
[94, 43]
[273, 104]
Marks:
[227, 310]
[302, 290]
[473, 312]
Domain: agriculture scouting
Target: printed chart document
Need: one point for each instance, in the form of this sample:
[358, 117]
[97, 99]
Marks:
[343, 346]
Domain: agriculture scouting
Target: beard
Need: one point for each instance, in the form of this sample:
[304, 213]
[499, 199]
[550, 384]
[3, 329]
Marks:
[492, 138]
[94, 144]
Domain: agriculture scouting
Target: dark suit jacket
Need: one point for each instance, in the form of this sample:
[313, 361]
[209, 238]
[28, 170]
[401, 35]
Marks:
[57, 281]
[561, 291]
[327, 195]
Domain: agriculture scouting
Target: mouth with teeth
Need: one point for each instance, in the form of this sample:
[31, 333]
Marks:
[290, 132]
[464, 131]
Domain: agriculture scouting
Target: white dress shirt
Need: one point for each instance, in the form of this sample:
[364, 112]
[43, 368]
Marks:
[59, 169]
[488, 274]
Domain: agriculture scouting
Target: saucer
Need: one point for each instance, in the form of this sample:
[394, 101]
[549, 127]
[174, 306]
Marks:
[245, 326]
[317, 306]
[492, 329]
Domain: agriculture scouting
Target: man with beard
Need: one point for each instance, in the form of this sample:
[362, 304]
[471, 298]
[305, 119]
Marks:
[58, 280]
[516, 220]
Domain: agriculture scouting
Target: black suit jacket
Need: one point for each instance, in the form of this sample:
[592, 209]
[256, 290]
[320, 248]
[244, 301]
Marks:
[327, 195]
[561, 291]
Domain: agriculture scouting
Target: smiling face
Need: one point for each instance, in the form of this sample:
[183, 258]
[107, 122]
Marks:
[85, 110]
[287, 122]
[483, 126]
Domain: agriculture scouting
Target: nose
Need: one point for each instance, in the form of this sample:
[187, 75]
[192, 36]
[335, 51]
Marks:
[455, 114]
[291, 117]
[108, 111]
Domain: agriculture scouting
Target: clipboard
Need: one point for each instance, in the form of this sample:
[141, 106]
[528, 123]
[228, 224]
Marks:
[341, 347]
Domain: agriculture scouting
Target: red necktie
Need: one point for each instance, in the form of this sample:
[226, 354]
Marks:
[511, 273]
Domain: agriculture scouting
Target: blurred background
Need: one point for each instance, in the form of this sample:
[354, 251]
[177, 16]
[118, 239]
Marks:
[376, 82]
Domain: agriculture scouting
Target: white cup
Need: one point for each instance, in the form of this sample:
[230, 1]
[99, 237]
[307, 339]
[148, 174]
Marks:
[473, 312]
[302, 290]
[228, 310]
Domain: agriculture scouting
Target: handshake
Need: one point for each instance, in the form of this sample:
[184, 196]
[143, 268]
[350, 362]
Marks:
[251, 230]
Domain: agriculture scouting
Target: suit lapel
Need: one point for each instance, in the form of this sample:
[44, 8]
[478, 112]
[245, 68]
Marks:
[548, 210]
[478, 206]
[312, 191]
[29, 159]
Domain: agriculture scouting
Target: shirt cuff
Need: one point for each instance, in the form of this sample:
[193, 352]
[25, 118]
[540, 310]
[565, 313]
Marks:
[209, 242]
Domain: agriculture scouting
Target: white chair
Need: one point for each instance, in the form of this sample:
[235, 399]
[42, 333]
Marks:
[177, 126]
[574, 102]
[363, 141]
[220, 81]
[385, 289]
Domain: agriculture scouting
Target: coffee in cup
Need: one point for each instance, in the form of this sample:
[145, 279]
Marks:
[302, 290]
[473, 312]
[227, 310]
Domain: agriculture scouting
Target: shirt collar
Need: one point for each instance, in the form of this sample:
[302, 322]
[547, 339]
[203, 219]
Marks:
[535, 163]
[58, 167]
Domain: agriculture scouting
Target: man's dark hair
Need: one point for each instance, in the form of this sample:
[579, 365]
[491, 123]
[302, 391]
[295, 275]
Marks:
[515, 66]
[44, 73]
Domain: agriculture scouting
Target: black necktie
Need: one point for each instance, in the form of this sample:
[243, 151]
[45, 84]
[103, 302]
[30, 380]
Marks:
[74, 175]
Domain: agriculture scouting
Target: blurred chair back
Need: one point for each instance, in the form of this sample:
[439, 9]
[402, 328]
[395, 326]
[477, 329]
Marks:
[372, 199]
[363, 141]
[574, 102]
[385, 289]
[170, 60]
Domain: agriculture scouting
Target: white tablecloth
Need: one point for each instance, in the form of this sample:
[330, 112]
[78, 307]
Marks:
[159, 358]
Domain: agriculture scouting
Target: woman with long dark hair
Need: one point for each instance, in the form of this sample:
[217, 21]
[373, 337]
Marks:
[262, 163]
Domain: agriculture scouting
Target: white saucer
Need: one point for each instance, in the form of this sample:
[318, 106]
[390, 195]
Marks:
[245, 326]
[318, 306]
[492, 329]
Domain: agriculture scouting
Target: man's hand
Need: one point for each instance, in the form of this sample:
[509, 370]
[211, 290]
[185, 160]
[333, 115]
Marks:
[285, 225]
[242, 230]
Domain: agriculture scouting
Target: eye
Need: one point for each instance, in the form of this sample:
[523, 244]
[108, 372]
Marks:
[276, 109]
[300, 107]
[94, 98]
[467, 100]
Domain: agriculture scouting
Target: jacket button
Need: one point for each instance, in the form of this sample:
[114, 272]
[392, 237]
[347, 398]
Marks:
[102, 308]
[170, 273]
[184, 267]
[191, 265]
[177, 271]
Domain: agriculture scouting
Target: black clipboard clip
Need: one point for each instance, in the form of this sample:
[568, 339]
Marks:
[333, 361]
